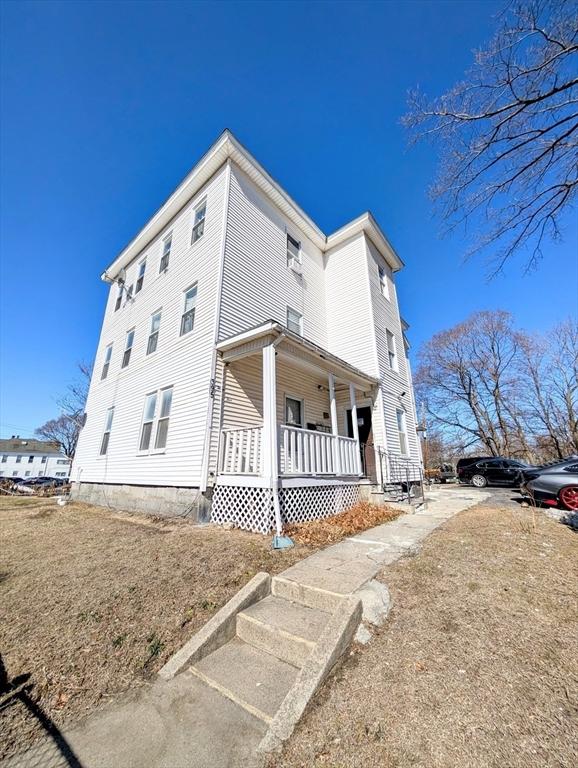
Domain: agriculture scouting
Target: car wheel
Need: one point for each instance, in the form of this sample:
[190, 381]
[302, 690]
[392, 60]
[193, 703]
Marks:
[479, 481]
[569, 497]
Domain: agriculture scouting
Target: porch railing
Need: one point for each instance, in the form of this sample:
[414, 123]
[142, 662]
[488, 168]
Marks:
[241, 452]
[309, 452]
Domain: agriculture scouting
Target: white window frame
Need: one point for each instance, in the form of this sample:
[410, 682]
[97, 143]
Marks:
[31, 459]
[19, 459]
[295, 242]
[401, 425]
[301, 402]
[154, 334]
[118, 301]
[186, 311]
[142, 268]
[105, 440]
[155, 419]
[199, 221]
[166, 252]
[4, 458]
[127, 348]
[106, 363]
[300, 331]
[383, 280]
[391, 350]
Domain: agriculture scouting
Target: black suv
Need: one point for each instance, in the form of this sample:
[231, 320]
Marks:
[494, 471]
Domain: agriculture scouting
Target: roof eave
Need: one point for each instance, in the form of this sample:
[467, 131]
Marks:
[367, 224]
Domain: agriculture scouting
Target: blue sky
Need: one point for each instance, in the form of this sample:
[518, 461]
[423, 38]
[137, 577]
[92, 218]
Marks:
[105, 106]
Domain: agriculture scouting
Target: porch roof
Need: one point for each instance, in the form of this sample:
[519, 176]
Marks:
[253, 339]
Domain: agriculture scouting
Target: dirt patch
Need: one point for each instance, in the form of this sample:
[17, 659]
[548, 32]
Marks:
[476, 665]
[93, 602]
[359, 518]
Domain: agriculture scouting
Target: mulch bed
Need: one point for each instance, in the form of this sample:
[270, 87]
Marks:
[331, 529]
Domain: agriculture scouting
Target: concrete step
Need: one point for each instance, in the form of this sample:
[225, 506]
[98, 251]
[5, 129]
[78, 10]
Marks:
[310, 596]
[282, 628]
[255, 680]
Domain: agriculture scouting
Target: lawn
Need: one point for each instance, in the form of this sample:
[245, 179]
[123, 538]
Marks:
[477, 664]
[93, 602]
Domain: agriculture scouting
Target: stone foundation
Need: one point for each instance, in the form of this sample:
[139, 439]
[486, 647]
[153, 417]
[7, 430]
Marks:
[162, 501]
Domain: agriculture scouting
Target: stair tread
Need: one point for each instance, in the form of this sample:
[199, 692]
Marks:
[249, 676]
[293, 618]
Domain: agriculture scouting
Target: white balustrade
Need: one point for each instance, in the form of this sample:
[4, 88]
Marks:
[241, 452]
[309, 452]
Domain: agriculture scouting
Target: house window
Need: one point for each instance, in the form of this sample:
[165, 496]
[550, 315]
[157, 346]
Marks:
[167, 242]
[106, 365]
[293, 249]
[4, 459]
[384, 287]
[128, 294]
[128, 348]
[294, 321]
[27, 473]
[188, 317]
[402, 432]
[391, 351]
[199, 222]
[30, 459]
[60, 474]
[293, 412]
[141, 273]
[156, 421]
[106, 433]
[154, 333]
[62, 461]
[119, 297]
[43, 460]
[14, 474]
[18, 459]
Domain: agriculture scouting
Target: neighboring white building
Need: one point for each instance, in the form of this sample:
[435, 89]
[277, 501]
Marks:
[31, 458]
[244, 356]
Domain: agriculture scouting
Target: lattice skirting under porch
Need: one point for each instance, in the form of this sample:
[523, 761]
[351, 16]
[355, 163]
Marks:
[252, 508]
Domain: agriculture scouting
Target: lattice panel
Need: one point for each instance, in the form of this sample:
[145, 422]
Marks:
[252, 508]
[248, 508]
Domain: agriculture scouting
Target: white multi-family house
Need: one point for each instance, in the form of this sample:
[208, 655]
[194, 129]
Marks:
[27, 458]
[250, 367]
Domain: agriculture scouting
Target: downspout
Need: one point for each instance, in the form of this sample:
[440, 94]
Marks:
[212, 385]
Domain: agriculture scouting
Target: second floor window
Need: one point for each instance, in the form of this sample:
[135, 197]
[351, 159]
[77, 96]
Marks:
[167, 242]
[383, 282]
[199, 222]
[154, 334]
[106, 434]
[106, 364]
[293, 249]
[128, 348]
[391, 351]
[294, 321]
[188, 317]
[141, 273]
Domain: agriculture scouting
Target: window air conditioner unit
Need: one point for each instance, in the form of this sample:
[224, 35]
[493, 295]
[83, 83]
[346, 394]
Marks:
[295, 265]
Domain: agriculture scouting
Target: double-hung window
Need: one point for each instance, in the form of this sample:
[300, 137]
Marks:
[188, 316]
[167, 242]
[199, 222]
[141, 273]
[119, 296]
[128, 348]
[106, 364]
[155, 422]
[18, 459]
[4, 459]
[43, 461]
[30, 459]
[383, 285]
[402, 432]
[391, 351]
[106, 434]
[154, 333]
[293, 249]
[294, 321]
[128, 294]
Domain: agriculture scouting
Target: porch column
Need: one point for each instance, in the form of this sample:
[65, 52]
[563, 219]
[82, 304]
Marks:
[269, 439]
[355, 426]
[334, 425]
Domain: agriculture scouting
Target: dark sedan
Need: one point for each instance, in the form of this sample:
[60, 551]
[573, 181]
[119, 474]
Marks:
[554, 484]
[497, 471]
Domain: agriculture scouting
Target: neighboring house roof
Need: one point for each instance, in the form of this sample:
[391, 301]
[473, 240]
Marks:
[28, 445]
[227, 146]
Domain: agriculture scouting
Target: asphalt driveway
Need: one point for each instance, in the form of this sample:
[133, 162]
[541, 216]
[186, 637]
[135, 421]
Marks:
[510, 498]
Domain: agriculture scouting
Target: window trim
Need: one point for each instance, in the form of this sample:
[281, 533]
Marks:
[159, 314]
[155, 422]
[301, 400]
[186, 312]
[142, 268]
[383, 281]
[295, 241]
[118, 301]
[106, 432]
[292, 309]
[401, 432]
[163, 266]
[202, 204]
[127, 349]
[392, 353]
[106, 363]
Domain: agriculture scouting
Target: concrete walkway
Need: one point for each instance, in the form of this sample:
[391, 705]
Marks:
[184, 723]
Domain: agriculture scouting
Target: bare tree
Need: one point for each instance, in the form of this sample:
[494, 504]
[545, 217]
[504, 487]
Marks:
[65, 429]
[508, 134]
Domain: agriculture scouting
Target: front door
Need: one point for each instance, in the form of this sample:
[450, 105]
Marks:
[365, 439]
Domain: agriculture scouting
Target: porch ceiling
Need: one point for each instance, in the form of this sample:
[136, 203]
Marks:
[294, 347]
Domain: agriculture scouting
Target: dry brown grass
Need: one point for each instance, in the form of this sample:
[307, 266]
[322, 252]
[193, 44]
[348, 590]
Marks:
[477, 665]
[93, 602]
[359, 518]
